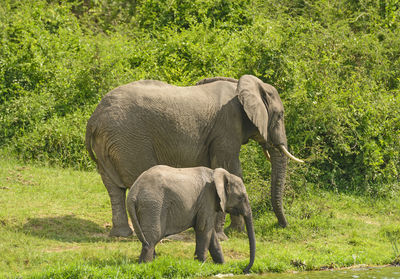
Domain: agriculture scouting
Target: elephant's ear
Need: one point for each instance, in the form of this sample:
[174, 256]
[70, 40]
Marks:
[250, 91]
[220, 180]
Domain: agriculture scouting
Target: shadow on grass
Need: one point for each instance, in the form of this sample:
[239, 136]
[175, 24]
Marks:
[66, 228]
[69, 228]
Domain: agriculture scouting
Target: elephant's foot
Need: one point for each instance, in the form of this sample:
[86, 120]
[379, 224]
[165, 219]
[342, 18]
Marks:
[147, 254]
[221, 236]
[124, 231]
[237, 224]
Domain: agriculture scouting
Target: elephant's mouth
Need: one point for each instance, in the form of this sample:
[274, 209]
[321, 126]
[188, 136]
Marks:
[233, 211]
[281, 148]
[269, 145]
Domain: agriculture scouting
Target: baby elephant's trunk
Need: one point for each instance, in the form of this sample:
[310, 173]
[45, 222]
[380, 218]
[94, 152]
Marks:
[252, 240]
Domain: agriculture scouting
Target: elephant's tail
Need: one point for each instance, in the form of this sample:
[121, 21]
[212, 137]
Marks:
[131, 205]
[88, 141]
[100, 155]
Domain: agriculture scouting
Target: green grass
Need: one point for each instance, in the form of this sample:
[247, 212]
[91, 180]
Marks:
[54, 223]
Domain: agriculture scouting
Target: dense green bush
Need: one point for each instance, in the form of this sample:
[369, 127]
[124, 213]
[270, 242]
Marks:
[336, 66]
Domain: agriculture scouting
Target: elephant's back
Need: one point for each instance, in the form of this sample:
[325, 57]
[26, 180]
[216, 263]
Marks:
[164, 114]
[184, 184]
[152, 93]
[163, 176]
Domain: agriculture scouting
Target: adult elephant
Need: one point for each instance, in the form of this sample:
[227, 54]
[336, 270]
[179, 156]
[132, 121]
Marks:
[147, 123]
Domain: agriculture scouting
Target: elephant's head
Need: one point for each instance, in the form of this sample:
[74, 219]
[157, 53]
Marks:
[264, 108]
[234, 200]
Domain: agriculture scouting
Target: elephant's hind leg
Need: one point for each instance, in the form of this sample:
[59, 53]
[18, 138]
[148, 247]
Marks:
[119, 216]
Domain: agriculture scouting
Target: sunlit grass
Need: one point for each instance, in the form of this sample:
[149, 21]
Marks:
[54, 223]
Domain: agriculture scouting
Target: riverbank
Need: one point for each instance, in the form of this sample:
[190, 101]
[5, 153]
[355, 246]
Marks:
[377, 272]
[54, 223]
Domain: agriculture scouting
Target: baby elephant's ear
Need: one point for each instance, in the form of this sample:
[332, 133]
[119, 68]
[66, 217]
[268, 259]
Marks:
[220, 180]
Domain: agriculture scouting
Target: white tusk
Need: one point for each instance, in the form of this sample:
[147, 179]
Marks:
[290, 155]
[267, 154]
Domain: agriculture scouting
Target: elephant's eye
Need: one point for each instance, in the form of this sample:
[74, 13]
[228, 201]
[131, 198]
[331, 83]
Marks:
[276, 123]
[278, 119]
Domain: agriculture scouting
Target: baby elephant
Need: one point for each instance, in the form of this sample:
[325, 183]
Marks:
[165, 201]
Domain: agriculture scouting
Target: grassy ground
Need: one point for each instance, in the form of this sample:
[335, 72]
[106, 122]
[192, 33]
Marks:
[54, 224]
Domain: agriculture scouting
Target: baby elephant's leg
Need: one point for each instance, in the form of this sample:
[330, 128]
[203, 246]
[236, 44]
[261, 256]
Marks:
[152, 231]
[202, 243]
[215, 249]
[147, 254]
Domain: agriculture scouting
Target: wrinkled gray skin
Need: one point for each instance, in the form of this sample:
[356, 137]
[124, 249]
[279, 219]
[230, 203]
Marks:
[147, 123]
[165, 201]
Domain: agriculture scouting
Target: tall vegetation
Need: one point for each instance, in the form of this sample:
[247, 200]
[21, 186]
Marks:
[336, 65]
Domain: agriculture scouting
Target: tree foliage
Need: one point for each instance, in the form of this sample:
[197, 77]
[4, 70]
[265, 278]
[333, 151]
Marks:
[335, 63]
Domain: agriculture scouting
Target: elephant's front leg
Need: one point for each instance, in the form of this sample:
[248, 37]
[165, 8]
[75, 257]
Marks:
[119, 216]
[229, 160]
[237, 223]
[202, 244]
[215, 249]
[219, 226]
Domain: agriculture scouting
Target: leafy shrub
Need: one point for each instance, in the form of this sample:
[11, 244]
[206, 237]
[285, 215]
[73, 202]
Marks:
[336, 66]
[62, 139]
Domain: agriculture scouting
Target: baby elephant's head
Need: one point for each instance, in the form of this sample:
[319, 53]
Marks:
[234, 200]
[232, 193]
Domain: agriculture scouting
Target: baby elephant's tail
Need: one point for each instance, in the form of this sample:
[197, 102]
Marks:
[131, 205]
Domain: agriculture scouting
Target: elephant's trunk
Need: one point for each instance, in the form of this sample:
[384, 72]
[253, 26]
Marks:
[252, 240]
[278, 175]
